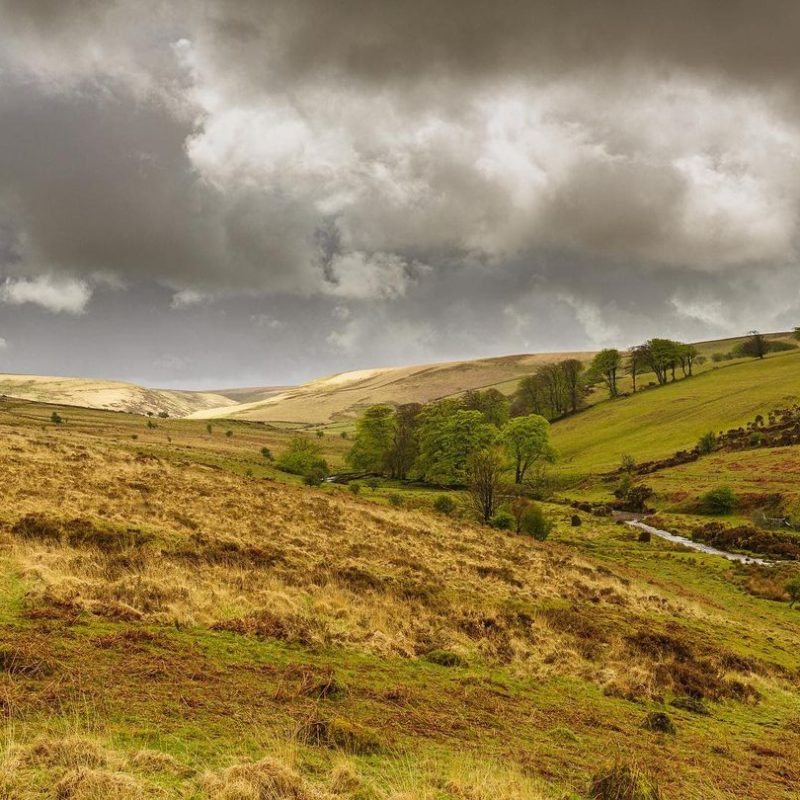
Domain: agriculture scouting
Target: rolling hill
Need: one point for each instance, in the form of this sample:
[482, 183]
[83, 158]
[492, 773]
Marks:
[658, 421]
[109, 395]
[341, 397]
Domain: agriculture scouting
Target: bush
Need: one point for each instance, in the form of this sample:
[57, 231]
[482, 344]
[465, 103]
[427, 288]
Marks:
[56, 418]
[707, 443]
[302, 455]
[627, 463]
[315, 476]
[266, 453]
[793, 590]
[229, 434]
[534, 522]
[372, 483]
[354, 488]
[721, 500]
[502, 520]
[445, 658]
[395, 499]
[151, 424]
[163, 415]
[444, 504]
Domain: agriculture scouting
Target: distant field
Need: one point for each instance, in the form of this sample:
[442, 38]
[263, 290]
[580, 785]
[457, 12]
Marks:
[657, 422]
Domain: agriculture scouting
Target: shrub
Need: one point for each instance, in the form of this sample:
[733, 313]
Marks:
[315, 476]
[354, 488]
[266, 453]
[343, 434]
[721, 500]
[644, 537]
[372, 483]
[301, 456]
[502, 520]
[163, 415]
[660, 722]
[534, 522]
[627, 463]
[209, 428]
[444, 504]
[793, 590]
[756, 439]
[56, 418]
[445, 658]
[395, 499]
[229, 434]
[707, 443]
[151, 424]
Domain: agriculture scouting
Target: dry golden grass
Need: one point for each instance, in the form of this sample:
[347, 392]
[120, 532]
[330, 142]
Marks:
[139, 539]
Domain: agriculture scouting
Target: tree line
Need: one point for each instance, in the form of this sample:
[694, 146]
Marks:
[434, 442]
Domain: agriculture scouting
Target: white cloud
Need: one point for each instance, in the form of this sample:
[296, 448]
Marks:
[186, 298]
[3, 344]
[53, 293]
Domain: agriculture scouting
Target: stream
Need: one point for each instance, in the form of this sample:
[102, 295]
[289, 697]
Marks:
[692, 545]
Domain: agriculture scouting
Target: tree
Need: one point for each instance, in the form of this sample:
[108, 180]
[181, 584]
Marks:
[687, 355]
[403, 447]
[605, 365]
[493, 404]
[635, 364]
[526, 440]
[572, 369]
[721, 500]
[373, 439]
[447, 436]
[756, 346]
[660, 356]
[484, 478]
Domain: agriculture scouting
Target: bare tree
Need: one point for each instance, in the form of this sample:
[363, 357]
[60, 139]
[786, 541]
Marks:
[485, 481]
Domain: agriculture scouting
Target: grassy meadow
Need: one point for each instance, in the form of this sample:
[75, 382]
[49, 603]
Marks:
[179, 620]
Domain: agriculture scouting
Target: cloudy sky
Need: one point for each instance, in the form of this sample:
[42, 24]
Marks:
[219, 192]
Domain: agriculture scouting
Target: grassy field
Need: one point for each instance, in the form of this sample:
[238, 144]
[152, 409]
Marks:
[177, 623]
[659, 421]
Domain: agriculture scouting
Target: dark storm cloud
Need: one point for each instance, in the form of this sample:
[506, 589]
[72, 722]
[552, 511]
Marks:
[414, 180]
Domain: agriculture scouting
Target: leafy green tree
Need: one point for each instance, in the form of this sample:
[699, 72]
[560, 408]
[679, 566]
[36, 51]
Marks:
[605, 365]
[403, 448]
[687, 356]
[447, 435]
[493, 404]
[374, 433]
[661, 357]
[527, 440]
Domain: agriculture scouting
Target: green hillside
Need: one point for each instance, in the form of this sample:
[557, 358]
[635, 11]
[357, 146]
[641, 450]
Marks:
[657, 422]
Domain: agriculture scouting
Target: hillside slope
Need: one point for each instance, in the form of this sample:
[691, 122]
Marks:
[109, 395]
[656, 422]
[341, 397]
[169, 630]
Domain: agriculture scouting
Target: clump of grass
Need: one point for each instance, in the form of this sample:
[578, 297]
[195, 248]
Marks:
[340, 734]
[261, 780]
[624, 782]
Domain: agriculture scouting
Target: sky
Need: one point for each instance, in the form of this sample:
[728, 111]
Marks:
[238, 193]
